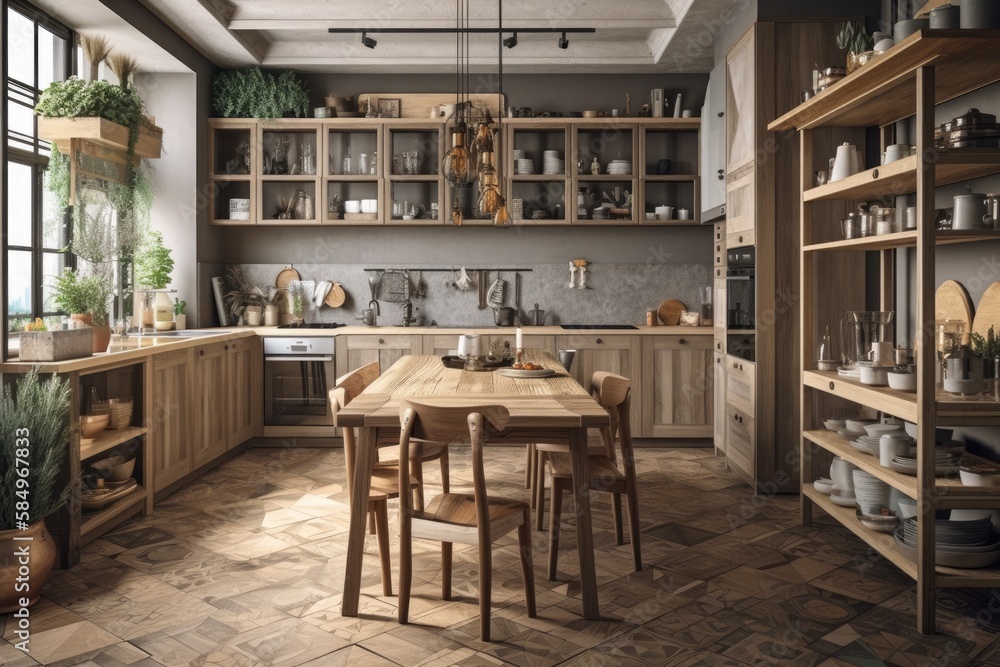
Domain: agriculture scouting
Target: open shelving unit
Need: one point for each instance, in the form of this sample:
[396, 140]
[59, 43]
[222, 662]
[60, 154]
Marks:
[926, 69]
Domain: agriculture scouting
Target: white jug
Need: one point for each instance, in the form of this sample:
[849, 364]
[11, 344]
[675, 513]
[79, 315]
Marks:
[846, 163]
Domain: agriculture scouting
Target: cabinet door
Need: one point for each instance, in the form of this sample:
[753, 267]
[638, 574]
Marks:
[170, 424]
[677, 382]
[741, 97]
[741, 203]
[355, 351]
[713, 143]
[719, 370]
[740, 443]
[211, 396]
[616, 354]
[741, 384]
[246, 390]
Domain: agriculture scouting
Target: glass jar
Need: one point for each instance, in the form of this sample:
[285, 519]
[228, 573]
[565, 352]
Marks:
[362, 164]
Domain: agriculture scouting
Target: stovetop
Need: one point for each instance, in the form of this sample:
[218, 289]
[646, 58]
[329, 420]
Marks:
[312, 325]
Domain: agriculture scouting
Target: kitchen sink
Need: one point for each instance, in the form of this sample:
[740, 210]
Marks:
[598, 326]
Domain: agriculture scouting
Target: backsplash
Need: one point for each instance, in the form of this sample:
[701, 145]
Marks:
[615, 293]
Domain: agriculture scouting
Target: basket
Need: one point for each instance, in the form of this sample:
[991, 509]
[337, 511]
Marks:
[120, 410]
[95, 499]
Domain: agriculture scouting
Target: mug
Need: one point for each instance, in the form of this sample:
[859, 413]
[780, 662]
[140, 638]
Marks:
[683, 214]
[882, 353]
[896, 152]
[891, 445]
[841, 472]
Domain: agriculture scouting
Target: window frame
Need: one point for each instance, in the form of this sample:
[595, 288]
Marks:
[36, 160]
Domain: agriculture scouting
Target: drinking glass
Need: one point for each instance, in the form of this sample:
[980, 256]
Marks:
[398, 164]
[362, 164]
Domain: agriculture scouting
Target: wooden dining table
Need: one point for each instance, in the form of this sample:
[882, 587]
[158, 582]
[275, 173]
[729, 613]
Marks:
[554, 409]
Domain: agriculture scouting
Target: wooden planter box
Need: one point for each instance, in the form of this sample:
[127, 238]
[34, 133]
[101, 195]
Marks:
[99, 131]
[56, 345]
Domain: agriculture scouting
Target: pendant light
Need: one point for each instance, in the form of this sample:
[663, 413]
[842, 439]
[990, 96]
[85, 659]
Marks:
[458, 166]
[501, 216]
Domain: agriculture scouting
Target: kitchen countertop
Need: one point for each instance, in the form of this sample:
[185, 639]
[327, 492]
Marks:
[146, 346]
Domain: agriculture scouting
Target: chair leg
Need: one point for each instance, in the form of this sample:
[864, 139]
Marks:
[538, 492]
[555, 514]
[529, 468]
[616, 510]
[417, 470]
[405, 566]
[485, 588]
[527, 568]
[445, 473]
[381, 517]
[446, 549]
[372, 528]
[632, 498]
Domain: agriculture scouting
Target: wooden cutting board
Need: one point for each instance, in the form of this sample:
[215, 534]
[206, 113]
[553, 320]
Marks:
[988, 312]
[336, 297]
[952, 302]
[285, 276]
[670, 311]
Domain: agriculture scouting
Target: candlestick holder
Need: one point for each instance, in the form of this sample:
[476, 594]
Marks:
[475, 363]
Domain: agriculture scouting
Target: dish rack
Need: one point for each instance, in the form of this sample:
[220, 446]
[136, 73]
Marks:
[120, 410]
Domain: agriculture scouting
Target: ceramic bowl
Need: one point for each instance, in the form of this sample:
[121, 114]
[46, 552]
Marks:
[974, 479]
[835, 425]
[823, 485]
[858, 425]
[876, 430]
[903, 381]
[91, 425]
[876, 376]
[940, 434]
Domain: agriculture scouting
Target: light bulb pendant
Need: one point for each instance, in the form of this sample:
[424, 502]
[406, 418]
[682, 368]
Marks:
[502, 217]
[458, 167]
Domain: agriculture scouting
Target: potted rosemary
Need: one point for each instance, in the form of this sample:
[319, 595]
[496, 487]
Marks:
[85, 299]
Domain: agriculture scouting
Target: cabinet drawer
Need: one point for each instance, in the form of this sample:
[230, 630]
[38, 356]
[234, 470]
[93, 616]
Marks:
[741, 384]
[740, 437]
[719, 302]
[376, 342]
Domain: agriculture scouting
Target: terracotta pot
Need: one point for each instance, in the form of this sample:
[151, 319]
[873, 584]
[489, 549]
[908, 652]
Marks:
[102, 334]
[41, 557]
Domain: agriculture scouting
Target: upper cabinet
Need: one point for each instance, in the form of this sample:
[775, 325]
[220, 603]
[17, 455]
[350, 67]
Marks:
[741, 101]
[370, 171]
[713, 146]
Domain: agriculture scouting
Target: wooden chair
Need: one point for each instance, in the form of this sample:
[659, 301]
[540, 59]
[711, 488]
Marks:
[614, 393]
[459, 517]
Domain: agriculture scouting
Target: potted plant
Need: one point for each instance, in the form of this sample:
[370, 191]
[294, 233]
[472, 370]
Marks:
[244, 301]
[153, 266]
[855, 39]
[34, 428]
[85, 299]
[253, 93]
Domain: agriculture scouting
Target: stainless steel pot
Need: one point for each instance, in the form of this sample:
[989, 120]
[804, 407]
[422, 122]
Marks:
[945, 17]
[980, 14]
[504, 317]
[971, 212]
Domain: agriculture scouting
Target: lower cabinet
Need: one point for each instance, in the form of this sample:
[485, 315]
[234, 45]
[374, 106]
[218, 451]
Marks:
[357, 350]
[170, 422]
[211, 396]
[246, 384]
[616, 354]
[677, 387]
[741, 434]
[719, 391]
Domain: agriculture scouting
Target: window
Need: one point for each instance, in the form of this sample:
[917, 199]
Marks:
[35, 231]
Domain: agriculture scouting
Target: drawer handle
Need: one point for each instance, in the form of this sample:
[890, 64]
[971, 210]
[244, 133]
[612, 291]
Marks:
[718, 361]
[227, 347]
[718, 346]
[832, 386]
[381, 341]
[718, 273]
[599, 341]
[741, 239]
[201, 353]
[735, 365]
[682, 341]
[875, 173]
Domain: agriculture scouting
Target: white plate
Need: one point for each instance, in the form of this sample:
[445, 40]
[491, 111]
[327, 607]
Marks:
[516, 373]
[940, 471]
[848, 501]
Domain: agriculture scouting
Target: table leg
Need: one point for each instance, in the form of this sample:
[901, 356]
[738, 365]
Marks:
[364, 458]
[584, 529]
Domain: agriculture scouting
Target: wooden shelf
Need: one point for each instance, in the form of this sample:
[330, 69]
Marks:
[605, 178]
[670, 178]
[109, 439]
[351, 178]
[94, 522]
[907, 239]
[288, 178]
[885, 90]
[414, 178]
[900, 177]
[100, 131]
[246, 178]
[537, 178]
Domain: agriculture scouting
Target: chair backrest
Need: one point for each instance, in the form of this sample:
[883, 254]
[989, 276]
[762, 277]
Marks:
[357, 381]
[346, 390]
[449, 425]
[614, 393]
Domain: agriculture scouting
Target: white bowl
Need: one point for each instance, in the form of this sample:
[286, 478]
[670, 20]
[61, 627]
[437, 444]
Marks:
[835, 425]
[876, 430]
[858, 425]
[940, 434]
[903, 381]
[876, 376]
[974, 479]
[823, 485]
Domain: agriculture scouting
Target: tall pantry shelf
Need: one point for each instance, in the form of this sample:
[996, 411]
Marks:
[924, 70]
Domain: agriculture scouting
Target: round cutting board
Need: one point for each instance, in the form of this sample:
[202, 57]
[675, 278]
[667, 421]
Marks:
[285, 276]
[336, 296]
[952, 302]
[670, 311]
[988, 312]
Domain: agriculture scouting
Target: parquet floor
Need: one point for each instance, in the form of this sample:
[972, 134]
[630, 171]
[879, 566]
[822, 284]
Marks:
[245, 566]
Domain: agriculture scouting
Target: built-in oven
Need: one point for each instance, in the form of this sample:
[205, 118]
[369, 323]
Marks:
[298, 373]
[741, 302]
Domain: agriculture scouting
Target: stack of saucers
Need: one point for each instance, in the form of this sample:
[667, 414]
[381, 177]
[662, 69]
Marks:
[867, 444]
[620, 167]
[524, 166]
[552, 163]
[966, 544]
[945, 463]
[873, 495]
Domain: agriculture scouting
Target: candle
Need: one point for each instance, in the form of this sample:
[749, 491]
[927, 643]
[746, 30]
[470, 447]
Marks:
[517, 339]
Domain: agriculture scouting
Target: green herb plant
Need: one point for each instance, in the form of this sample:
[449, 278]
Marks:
[153, 264]
[42, 408]
[242, 293]
[253, 93]
[73, 293]
[854, 38]
[987, 347]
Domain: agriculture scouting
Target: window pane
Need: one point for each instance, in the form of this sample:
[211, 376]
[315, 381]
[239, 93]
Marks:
[55, 223]
[52, 266]
[20, 47]
[51, 58]
[19, 185]
[18, 283]
[20, 120]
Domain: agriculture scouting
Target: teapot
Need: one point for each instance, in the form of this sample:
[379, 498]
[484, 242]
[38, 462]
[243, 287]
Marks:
[847, 162]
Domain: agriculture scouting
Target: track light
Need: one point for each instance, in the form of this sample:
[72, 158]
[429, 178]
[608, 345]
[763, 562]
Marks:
[368, 41]
[563, 42]
[511, 41]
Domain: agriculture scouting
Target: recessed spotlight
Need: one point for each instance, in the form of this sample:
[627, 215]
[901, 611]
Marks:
[368, 41]
[511, 41]
[563, 42]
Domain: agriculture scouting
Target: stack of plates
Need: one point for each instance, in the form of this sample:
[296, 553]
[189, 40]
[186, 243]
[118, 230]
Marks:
[620, 167]
[849, 372]
[968, 544]
[867, 444]
[601, 213]
[945, 464]
[873, 495]
[524, 166]
[552, 163]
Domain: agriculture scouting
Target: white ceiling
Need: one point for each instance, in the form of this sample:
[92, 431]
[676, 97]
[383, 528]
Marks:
[632, 35]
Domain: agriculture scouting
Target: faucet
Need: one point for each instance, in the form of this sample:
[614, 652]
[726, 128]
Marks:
[408, 317]
[376, 311]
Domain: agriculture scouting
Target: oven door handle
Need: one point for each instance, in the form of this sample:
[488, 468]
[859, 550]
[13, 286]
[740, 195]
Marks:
[739, 277]
[327, 358]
